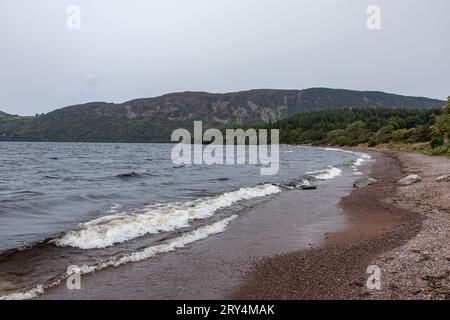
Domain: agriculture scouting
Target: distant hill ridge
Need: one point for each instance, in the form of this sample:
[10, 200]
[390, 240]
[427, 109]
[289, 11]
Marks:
[153, 119]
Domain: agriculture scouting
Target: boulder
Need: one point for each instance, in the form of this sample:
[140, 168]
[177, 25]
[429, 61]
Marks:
[309, 187]
[445, 178]
[411, 179]
[364, 182]
[291, 185]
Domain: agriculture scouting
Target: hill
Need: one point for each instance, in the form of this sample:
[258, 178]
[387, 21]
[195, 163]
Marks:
[154, 119]
[423, 130]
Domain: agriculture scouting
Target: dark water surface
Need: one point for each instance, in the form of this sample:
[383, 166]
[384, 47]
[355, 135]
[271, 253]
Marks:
[99, 205]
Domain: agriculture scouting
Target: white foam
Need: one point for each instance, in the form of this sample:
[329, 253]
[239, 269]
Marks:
[171, 245]
[363, 157]
[179, 242]
[116, 228]
[26, 295]
[305, 182]
[326, 174]
[358, 162]
[340, 150]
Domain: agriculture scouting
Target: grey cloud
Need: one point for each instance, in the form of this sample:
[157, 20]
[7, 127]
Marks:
[140, 48]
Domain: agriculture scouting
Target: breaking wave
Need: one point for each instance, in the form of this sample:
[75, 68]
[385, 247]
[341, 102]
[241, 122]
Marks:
[363, 157]
[152, 219]
[326, 174]
[146, 253]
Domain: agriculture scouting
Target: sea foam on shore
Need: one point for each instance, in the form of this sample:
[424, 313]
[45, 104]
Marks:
[146, 253]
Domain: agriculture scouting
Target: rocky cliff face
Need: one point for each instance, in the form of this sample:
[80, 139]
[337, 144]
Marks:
[252, 106]
[225, 109]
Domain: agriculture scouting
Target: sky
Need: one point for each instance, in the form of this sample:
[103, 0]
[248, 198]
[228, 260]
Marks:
[117, 50]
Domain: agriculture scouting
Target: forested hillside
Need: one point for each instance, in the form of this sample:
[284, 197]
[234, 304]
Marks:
[351, 127]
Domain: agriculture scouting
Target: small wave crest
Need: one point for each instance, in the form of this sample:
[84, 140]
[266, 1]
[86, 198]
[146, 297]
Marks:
[362, 158]
[134, 174]
[326, 174]
[359, 162]
[146, 253]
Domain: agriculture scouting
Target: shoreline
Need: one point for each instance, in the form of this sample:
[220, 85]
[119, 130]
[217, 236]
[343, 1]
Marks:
[216, 267]
[381, 222]
[296, 245]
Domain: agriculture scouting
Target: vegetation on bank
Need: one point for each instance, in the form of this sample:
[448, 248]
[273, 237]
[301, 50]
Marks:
[424, 130]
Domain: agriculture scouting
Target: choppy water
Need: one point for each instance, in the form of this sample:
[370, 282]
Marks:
[99, 205]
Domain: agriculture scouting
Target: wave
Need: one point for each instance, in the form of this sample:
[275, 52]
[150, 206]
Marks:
[363, 157]
[152, 219]
[134, 174]
[176, 243]
[182, 166]
[51, 177]
[326, 174]
[149, 252]
[221, 179]
[359, 162]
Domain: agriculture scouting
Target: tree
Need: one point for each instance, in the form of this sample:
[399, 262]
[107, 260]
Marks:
[444, 125]
[404, 135]
[441, 130]
[385, 133]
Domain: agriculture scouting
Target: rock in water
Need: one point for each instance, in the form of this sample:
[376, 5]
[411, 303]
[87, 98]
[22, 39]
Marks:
[291, 184]
[411, 179]
[445, 178]
[364, 182]
[308, 187]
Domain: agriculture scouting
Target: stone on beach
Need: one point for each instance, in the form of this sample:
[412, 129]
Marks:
[364, 182]
[411, 179]
[445, 178]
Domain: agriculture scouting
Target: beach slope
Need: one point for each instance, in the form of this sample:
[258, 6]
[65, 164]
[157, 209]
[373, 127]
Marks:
[404, 230]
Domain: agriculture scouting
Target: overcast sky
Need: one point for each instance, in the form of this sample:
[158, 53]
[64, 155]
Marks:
[128, 49]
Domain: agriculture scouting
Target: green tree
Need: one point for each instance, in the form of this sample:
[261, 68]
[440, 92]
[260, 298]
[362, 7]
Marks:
[404, 135]
[441, 129]
[443, 124]
[384, 135]
[447, 107]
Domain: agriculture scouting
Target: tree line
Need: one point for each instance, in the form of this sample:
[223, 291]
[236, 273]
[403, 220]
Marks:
[368, 126]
